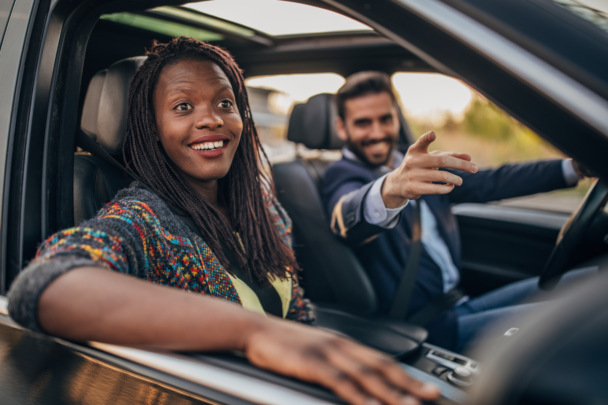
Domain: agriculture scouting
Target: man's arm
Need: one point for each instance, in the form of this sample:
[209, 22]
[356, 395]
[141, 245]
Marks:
[347, 213]
[514, 180]
[416, 176]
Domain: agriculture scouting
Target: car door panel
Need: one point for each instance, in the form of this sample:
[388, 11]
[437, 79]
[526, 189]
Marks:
[501, 245]
[42, 370]
[5, 11]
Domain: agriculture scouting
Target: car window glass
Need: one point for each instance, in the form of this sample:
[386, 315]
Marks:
[465, 121]
[594, 11]
[272, 98]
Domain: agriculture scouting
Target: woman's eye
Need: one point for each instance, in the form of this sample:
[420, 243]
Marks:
[183, 107]
[225, 104]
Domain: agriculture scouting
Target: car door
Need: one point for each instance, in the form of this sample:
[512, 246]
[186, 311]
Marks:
[502, 244]
[35, 368]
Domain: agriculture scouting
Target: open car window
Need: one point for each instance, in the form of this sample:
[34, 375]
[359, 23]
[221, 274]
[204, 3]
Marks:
[464, 121]
[467, 122]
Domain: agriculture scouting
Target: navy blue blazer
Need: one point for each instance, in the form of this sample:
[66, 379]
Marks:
[383, 253]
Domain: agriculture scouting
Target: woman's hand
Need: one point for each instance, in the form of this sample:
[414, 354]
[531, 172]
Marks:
[418, 173]
[357, 374]
[93, 304]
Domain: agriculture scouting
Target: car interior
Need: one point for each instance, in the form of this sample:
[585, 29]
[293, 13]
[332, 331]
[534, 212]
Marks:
[500, 244]
[347, 307]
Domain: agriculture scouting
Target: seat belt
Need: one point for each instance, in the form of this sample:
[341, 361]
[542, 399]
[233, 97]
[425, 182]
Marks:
[403, 295]
[89, 145]
[428, 312]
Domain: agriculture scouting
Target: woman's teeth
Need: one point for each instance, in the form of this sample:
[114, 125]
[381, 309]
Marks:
[208, 145]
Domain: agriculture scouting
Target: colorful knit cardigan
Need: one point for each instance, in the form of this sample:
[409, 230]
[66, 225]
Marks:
[137, 234]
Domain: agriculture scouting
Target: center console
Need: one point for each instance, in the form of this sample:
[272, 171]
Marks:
[454, 373]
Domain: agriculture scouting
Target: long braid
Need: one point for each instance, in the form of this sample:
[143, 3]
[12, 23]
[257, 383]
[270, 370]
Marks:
[241, 190]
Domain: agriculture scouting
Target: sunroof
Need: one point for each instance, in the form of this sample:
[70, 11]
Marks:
[275, 17]
[161, 26]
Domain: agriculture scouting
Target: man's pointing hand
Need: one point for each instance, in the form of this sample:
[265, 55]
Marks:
[419, 171]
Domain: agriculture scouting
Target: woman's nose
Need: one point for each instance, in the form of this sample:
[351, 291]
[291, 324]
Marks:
[208, 118]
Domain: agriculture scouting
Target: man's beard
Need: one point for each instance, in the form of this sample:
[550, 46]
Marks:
[361, 155]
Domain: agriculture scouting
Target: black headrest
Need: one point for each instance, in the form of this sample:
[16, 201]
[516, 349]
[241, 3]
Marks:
[112, 106]
[90, 109]
[314, 124]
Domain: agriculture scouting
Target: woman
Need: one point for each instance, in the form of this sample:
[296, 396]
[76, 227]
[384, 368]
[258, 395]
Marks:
[204, 222]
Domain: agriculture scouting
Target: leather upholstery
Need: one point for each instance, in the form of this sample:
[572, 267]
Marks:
[112, 115]
[90, 110]
[95, 184]
[313, 125]
[332, 276]
[104, 118]
[397, 339]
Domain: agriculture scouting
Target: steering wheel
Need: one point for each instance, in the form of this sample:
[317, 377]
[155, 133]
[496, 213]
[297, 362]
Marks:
[571, 234]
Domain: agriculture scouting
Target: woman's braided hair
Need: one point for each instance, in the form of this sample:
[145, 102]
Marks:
[241, 190]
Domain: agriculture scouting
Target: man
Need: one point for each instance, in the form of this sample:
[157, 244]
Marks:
[371, 194]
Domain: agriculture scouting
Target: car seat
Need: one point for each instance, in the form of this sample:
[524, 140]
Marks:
[96, 182]
[332, 274]
[104, 119]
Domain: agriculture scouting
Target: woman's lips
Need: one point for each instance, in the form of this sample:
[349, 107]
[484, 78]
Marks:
[210, 146]
[211, 153]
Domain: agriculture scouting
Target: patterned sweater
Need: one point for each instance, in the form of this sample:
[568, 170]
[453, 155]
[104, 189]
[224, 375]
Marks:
[137, 234]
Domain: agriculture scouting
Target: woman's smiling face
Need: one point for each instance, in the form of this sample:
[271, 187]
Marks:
[197, 121]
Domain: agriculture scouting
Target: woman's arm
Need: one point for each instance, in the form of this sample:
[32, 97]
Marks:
[93, 304]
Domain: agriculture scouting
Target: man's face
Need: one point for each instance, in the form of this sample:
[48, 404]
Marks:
[370, 127]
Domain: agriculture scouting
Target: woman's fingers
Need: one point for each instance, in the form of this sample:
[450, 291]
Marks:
[368, 378]
[380, 376]
[357, 374]
[342, 385]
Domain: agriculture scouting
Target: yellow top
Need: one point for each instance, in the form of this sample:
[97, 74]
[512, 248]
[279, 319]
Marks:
[250, 300]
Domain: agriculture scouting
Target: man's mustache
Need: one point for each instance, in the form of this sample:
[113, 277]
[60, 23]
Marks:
[375, 141]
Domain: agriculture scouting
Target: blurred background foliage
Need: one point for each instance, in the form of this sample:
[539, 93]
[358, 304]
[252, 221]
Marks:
[463, 120]
[490, 136]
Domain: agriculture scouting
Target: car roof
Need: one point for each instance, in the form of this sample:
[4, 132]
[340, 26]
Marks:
[124, 33]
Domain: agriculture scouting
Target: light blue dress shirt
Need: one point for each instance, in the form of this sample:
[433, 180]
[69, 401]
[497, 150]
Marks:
[376, 213]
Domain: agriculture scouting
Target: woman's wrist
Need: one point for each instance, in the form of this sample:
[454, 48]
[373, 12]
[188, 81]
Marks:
[251, 325]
